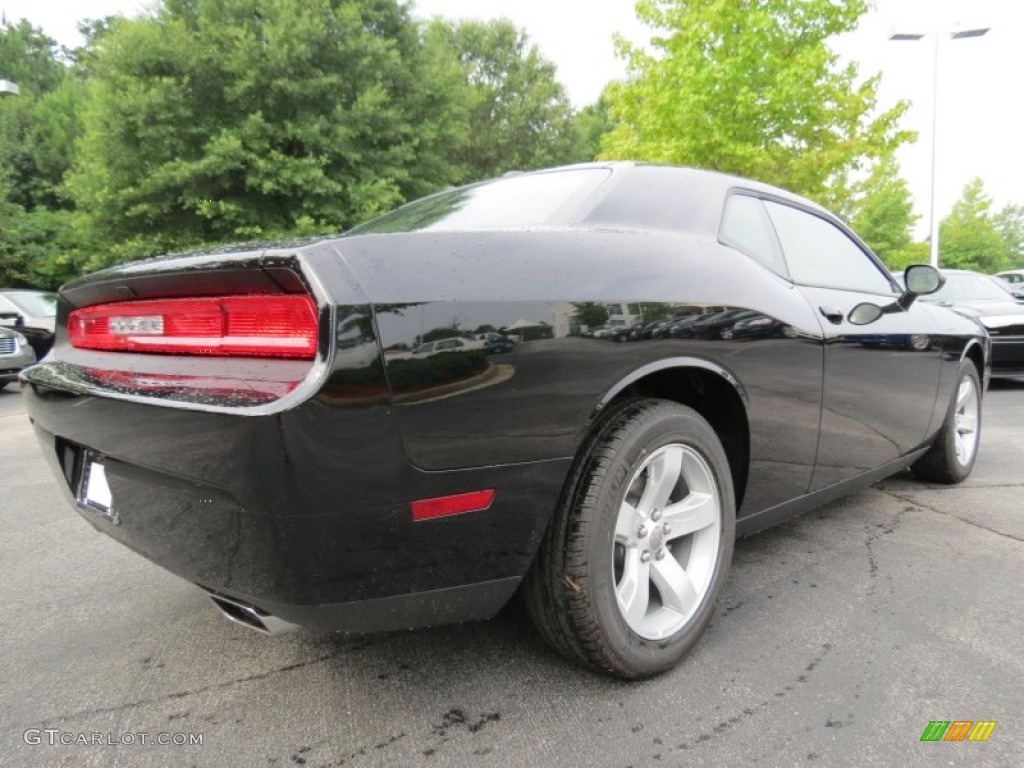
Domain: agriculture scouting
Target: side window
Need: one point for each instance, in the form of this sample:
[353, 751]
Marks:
[746, 227]
[819, 253]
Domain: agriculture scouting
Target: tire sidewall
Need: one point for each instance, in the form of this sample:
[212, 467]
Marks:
[660, 427]
[961, 471]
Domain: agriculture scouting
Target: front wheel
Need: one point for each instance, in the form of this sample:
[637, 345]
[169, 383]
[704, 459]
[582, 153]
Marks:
[952, 455]
[626, 579]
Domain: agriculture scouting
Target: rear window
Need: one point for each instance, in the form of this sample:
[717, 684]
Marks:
[529, 200]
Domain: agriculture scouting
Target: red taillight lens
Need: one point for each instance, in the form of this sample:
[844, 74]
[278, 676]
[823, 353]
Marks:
[250, 326]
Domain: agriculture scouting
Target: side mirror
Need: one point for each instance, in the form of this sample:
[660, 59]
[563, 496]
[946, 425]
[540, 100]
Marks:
[865, 313]
[922, 279]
[11, 319]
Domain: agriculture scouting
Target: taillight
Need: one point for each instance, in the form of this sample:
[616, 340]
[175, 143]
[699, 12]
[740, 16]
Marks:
[250, 326]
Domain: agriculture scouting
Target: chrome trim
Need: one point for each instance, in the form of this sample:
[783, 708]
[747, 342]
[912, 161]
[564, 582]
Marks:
[250, 616]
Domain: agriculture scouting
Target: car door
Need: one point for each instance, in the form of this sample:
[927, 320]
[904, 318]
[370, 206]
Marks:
[880, 380]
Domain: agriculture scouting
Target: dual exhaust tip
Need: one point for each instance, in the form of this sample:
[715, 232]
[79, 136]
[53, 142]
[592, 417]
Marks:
[250, 616]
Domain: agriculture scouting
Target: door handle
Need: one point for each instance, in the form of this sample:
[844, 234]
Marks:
[833, 314]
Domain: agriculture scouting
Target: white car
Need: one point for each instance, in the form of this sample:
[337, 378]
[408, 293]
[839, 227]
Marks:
[454, 344]
[1012, 276]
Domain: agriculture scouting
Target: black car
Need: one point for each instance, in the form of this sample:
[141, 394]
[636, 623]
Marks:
[623, 333]
[995, 306]
[233, 417]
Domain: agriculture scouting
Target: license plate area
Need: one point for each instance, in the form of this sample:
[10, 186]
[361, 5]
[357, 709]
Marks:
[93, 489]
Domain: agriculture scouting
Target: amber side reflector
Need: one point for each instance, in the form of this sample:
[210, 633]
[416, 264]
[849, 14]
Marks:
[443, 506]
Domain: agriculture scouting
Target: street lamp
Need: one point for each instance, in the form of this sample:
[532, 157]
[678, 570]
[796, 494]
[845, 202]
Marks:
[6, 86]
[955, 35]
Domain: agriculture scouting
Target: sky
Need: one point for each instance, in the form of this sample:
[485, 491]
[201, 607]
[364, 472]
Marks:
[980, 109]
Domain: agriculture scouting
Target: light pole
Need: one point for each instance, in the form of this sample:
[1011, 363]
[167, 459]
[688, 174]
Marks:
[937, 36]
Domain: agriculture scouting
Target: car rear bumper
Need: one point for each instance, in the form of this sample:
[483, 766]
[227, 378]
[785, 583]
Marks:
[304, 514]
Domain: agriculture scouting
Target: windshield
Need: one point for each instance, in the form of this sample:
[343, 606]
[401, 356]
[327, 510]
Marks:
[969, 288]
[33, 303]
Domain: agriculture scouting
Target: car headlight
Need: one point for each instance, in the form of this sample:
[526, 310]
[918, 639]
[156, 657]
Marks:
[20, 340]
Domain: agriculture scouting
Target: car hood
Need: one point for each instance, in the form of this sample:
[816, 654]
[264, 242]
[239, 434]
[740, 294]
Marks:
[994, 315]
[47, 323]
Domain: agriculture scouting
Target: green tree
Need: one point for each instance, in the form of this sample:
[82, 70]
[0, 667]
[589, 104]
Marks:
[29, 58]
[1010, 223]
[590, 314]
[590, 124]
[217, 120]
[882, 212]
[516, 114]
[751, 87]
[968, 237]
[39, 244]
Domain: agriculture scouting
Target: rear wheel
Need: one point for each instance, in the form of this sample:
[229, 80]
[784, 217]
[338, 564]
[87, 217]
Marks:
[951, 457]
[626, 579]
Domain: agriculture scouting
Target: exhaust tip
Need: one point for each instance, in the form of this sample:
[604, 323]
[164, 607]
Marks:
[250, 616]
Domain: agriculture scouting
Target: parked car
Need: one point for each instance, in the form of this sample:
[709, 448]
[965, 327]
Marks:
[15, 353]
[32, 313]
[495, 343]
[453, 344]
[622, 333]
[221, 436]
[994, 306]
[1013, 280]
[1012, 276]
[755, 325]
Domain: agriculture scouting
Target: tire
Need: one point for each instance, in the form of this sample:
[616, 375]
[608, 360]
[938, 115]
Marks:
[951, 457]
[626, 578]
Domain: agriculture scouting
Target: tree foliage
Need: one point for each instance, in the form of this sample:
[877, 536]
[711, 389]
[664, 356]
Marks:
[221, 120]
[228, 119]
[882, 213]
[590, 314]
[751, 87]
[590, 124]
[513, 111]
[969, 237]
[38, 129]
[1010, 224]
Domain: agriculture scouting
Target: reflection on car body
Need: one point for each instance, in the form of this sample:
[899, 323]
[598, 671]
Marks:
[335, 470]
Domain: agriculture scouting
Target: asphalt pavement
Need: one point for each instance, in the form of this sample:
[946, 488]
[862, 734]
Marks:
[838, 638]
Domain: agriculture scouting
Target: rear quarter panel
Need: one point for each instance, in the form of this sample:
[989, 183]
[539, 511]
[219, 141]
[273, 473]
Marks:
[536, 401]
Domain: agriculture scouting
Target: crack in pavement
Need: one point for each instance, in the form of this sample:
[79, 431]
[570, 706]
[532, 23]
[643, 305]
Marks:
[48, 722]
[726, 724]
[930, 508]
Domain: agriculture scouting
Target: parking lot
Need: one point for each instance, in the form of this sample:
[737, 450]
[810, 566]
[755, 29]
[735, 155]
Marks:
[838, 638]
